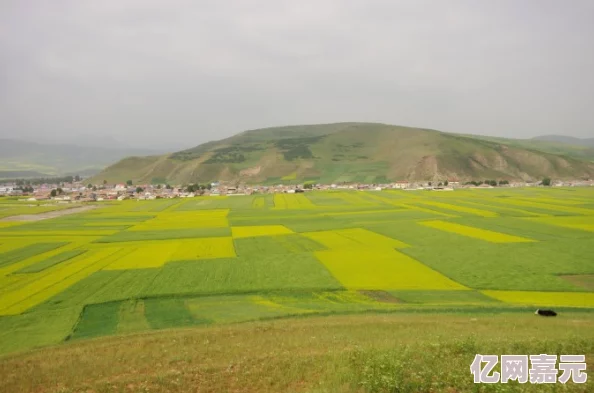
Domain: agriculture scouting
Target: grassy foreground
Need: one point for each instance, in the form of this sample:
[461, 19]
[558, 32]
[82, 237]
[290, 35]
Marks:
[358, 353]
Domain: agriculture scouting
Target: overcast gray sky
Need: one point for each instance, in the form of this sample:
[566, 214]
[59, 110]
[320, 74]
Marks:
[179, 73]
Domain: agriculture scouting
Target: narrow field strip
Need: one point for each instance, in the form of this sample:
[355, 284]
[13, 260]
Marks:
[563, 201]
[354, 238]
[549, 207]
[51, 284]
[385, 270]
[278, 244]
[20, 254]
[544, 299]
[458, 208]
[585, 223]
[399, 204]
[51, 261]
[263, 230]
[476, 233]
[496, 208]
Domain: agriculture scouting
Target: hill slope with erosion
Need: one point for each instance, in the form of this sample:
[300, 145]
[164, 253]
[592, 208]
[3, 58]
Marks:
[349, 152]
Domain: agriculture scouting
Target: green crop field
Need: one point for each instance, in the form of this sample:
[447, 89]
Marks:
[139, 266]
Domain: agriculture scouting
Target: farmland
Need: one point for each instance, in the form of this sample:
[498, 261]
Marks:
[140, 266]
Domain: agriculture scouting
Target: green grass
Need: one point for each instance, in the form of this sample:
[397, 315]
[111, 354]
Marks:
[443, 297]
[102, 287]
[483, 265]
[247, 273]
[351, 353]
[97, 320]
[168, 313]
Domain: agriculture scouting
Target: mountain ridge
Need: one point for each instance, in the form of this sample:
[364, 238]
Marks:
[58, 159]
[349, 152]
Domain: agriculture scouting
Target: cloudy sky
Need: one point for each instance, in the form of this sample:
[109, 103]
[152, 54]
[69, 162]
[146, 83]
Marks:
[177, 73]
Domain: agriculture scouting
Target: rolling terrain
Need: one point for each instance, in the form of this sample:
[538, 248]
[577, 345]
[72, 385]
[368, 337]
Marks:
[568, 140]
[22, 159]
[336, 290]
[352, 152]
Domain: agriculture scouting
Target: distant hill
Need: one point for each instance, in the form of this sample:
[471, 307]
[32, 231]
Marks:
[349, 152]
[568, 140]
[30, 159]
[579, 151]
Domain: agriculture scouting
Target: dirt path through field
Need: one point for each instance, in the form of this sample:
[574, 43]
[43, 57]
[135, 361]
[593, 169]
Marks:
[47, 215]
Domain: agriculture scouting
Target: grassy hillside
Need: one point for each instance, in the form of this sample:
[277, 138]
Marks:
[28, 159]
[581, 149]
[568, 140]
[408, 353]
[348, 152]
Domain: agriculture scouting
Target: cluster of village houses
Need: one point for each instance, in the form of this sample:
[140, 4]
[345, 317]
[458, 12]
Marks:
[69, 192]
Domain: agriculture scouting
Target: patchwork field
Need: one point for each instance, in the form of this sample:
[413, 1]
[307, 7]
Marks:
[134, 266]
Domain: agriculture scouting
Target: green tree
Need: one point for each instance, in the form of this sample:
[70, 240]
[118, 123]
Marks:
[53, 193]
[104, 182]
[139, 190]
[439, 184]
[94, 188]
[129, 182]
[445, 183]
[308, 186]
[89, 185]
[546, 181]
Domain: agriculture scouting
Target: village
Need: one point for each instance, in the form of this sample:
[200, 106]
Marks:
[78, 191]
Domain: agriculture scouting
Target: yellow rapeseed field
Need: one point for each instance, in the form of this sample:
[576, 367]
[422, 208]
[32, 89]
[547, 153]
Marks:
[155, 254]
[544, 299]
[458, 208]
[477, 233]
[148, 256]
[54, 281]
[263, 230]
[384, 269]
[585, 223]
[39, 257]
[353, 238]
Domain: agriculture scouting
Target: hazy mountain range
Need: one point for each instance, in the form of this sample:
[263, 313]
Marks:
[31, 159]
